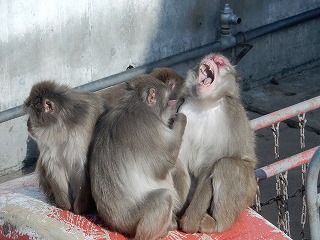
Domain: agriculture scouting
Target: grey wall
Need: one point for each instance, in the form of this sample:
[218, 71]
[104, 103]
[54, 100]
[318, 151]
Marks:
[280, 53]
[75, 42]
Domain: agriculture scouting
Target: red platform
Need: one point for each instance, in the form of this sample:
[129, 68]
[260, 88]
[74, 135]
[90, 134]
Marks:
[25, 214]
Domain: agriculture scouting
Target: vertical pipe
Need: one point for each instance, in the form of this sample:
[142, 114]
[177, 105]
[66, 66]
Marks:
[313, 196]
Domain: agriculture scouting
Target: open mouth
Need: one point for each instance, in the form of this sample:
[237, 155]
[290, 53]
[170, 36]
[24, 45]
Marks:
[206, 75]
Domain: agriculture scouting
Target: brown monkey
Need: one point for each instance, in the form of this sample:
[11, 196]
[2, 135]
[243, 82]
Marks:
[167, 75]
[171, 78]
[61, 120]
[131, 160]
[217, 150]
[113, 94]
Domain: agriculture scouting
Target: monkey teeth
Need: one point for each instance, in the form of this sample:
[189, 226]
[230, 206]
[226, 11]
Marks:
[207, 73]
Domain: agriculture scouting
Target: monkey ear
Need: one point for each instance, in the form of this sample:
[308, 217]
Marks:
[172, 84]
[48, 106]
[151, 98]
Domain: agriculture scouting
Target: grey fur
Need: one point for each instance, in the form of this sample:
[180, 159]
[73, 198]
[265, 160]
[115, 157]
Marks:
[166, 75]
[131, 160]
[61, 120]
[217, 151]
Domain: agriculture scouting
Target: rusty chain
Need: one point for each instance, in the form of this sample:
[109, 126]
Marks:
[281, 187]
[257, 205]
[302, 124]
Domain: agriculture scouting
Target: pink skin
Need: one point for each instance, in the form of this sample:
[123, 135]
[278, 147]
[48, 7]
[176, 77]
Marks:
[172, 103]
[208, 72]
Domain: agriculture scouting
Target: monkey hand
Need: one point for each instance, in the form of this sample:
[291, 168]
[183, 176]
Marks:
[179, 118]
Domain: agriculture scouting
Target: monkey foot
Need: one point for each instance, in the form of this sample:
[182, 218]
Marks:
[188, 225]
[207, 224]
[174, 225]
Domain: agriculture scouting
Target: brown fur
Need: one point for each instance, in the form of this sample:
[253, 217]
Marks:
[217, 150]
[166, 75]
[131, 159]
[61, 120]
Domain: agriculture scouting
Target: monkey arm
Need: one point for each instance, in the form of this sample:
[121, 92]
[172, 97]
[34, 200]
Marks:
[196, 218]
[178, 126]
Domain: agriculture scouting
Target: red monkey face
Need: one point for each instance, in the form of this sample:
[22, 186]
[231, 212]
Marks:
[212, 74]
[210, 71]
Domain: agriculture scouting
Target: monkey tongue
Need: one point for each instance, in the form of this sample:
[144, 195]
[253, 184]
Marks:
[207, 81]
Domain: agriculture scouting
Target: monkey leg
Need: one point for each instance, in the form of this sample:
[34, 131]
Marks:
[156, 217]
[43, 181]
[195, 219]
[234, 187]
[81, 191]
[182, 182]
[60, 188]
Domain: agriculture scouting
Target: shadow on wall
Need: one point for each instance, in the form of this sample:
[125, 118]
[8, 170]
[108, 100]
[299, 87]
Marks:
[191, 27]
[167, 36]
[32, 154]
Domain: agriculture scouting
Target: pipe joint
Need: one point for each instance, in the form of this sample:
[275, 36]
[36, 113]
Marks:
[227, 41]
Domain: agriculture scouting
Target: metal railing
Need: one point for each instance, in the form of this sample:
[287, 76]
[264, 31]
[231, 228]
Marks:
[280, 167]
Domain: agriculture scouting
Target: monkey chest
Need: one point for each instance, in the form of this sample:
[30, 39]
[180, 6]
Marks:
[206, 138]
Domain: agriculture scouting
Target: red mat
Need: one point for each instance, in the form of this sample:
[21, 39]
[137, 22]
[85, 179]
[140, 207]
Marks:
[25, 214]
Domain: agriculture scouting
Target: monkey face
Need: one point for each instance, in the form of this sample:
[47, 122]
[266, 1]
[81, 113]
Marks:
[216, 77]
[208, 73]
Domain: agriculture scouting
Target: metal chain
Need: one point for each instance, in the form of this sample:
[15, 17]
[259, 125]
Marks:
[302, 124]
[298, 193]
[281, 187]
[257, 206]
[275, 131]
[286, 219]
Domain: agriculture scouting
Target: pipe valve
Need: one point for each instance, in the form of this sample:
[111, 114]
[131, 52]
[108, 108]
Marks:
[227, 19]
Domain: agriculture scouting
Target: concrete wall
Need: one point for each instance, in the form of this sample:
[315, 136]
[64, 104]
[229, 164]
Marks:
[283, 52]
[75, 42]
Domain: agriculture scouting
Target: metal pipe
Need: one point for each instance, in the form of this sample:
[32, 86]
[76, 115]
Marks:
[276, 26]
[284, 164]
[313, 198]
[221, 44]
[124, 76]
[11, 113]
[168, 61]
[285, 113]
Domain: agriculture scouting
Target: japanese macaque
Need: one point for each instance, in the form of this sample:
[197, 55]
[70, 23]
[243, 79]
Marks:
[131, 159]
[62, 120]
[217, 150]
[171, 78]
[167, 75]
